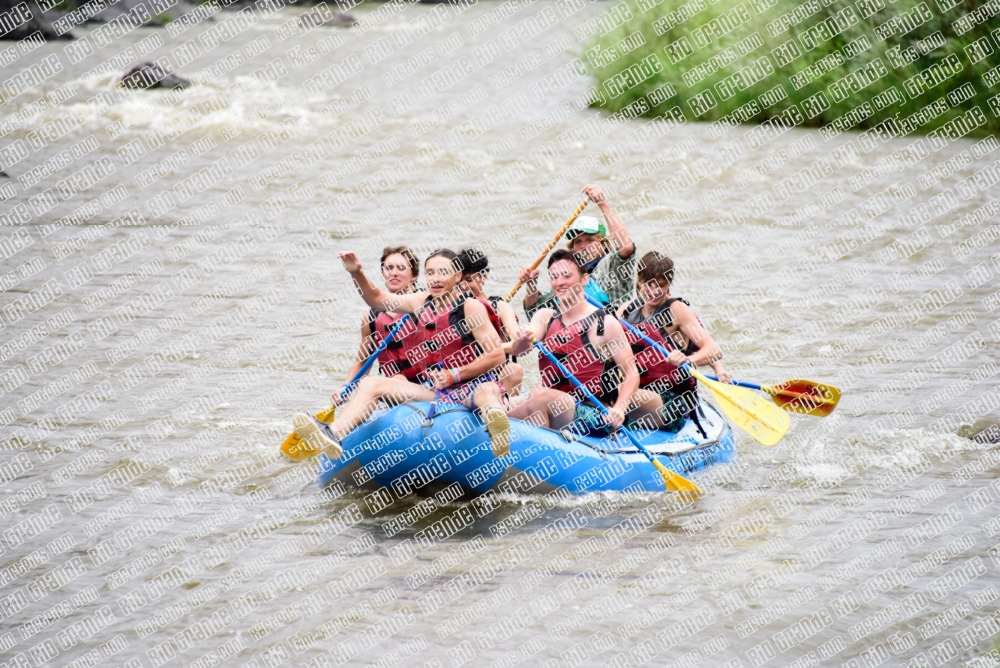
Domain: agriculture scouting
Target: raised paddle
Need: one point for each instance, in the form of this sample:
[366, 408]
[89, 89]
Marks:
[295, 447]
[798, 396]
[750, 412]
[673, 481]
[555, 240]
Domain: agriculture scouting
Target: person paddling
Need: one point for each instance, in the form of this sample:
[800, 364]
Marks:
[475, 272]
[669, 321]
[606, 252]
[592, 345]
[457, 357]
[400, 269]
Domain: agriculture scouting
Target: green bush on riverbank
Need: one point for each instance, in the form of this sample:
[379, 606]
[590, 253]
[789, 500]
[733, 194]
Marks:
[909, 64]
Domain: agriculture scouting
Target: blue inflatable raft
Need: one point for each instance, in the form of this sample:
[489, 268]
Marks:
[401, 449]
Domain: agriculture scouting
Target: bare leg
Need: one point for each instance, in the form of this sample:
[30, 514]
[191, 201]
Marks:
[646, 407]
[561, 407]
[393, 390]
[555, 407]
[487, 396]
[526, 408]
[511, 375]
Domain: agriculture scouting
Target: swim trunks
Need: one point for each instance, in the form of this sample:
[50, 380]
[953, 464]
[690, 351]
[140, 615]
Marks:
[589, 421]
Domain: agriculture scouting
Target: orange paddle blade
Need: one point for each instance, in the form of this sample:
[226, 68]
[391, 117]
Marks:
[805, 396]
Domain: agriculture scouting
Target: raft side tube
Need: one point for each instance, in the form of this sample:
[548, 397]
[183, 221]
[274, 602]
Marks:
[400, 449]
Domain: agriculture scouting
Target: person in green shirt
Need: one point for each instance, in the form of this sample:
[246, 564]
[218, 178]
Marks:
[606, 251]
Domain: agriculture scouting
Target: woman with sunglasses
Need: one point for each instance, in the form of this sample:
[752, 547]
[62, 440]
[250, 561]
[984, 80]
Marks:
[457, 354]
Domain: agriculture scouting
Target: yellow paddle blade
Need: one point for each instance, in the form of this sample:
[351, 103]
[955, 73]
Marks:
[764, 421]
[675, 482]
[804, 396]
[295, 448]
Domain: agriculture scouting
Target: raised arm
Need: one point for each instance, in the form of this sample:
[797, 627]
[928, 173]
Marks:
[621, 309]
[616, 228]
[529, 277]
[615, 345]
[375, 296]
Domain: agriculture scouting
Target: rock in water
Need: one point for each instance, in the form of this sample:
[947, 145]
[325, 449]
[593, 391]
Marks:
[151, 75]
[322, 16]
[21, 20]
[985, 431]
[148, 13]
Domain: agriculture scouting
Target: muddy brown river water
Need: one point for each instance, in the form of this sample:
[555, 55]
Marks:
[174, 296]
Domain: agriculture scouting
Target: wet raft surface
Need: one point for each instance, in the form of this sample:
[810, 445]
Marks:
[153, 509]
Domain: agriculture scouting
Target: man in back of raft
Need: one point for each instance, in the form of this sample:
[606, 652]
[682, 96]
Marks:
[605, 251]
[591, 344]
[458, 353]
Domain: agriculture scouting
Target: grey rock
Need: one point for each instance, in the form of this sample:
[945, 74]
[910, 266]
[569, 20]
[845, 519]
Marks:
[156, 18]
[985, 430]
[322, 16]
[107, 15]
[28, 21]
[150, 75]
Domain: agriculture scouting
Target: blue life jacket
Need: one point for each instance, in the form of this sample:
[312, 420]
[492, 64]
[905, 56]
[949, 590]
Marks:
[596, 292]
[593, 289]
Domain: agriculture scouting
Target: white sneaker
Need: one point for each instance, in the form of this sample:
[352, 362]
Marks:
[498, 426]
[312, 432]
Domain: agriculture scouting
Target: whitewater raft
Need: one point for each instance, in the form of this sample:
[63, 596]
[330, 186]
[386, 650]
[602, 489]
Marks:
[410, 448]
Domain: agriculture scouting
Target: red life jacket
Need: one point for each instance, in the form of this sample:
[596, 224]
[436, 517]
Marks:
[445, 339]
[572, 347]
[493, 301]
[493, 313]
[392, 360]
[654, 369]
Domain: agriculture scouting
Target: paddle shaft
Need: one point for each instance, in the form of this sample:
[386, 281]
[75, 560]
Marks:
[292, 445]
[555, 240]
[374, 356]
[587, 393]
[740, 383]
[635, 330]
[776, 390]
